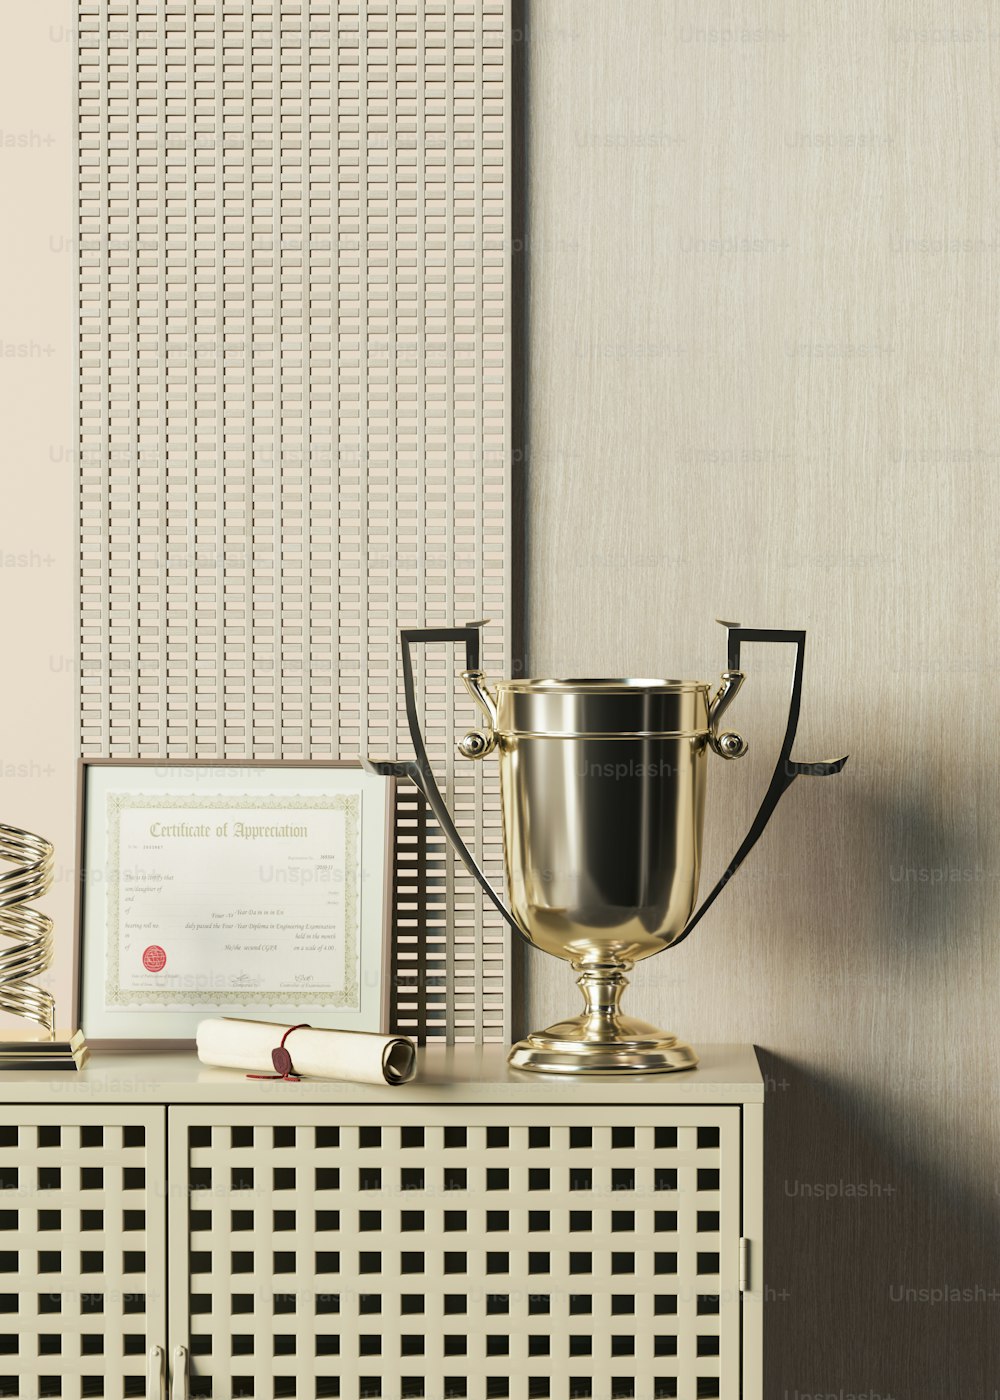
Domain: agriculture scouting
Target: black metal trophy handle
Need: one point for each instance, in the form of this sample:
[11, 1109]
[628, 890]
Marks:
[786, 770]
[420, 773]
[419, 770]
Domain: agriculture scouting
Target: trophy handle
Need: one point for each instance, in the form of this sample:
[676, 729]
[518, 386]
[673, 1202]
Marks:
[786, 770]
[474, 745]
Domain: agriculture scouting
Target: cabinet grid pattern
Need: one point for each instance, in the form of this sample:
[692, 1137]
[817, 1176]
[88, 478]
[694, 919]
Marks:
[293, 387]
[82, 1237]
[411, 1253]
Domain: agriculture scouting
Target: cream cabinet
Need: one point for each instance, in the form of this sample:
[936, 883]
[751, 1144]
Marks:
[173, 1231]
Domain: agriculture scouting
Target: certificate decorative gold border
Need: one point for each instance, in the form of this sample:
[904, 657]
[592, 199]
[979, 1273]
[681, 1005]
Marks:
[349, 803]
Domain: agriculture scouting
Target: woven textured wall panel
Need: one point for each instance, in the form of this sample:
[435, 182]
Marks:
[293, 389]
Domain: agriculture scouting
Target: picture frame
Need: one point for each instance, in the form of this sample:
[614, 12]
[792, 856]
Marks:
[297, 856]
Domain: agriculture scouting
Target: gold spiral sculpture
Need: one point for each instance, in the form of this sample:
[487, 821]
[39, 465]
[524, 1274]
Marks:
[29, 953]
[31, 950]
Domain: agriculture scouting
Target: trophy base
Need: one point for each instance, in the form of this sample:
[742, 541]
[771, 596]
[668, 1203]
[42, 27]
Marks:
[632, 1047]
[69, 1052]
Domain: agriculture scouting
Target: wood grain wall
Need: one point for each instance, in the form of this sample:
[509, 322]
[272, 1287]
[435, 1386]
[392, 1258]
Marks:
[762, 383]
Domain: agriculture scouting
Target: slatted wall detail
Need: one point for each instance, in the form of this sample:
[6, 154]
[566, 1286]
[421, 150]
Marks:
[293, 388]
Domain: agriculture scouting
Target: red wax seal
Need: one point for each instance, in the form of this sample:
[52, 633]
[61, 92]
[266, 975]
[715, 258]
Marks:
[281, 1059]
[154, 959]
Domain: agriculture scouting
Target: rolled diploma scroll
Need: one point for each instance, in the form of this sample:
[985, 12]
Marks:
[362, 1056]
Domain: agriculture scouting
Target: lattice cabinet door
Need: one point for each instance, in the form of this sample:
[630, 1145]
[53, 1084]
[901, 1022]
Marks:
[82, 1250]
[544, 1253]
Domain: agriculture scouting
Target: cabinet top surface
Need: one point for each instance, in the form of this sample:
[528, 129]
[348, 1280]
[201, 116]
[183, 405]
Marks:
[445, 1075]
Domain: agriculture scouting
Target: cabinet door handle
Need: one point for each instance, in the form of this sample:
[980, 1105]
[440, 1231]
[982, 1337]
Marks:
[179, 1379]
[154, 1373]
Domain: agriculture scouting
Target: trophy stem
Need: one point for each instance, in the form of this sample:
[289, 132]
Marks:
[602, 989]
[602, 1040]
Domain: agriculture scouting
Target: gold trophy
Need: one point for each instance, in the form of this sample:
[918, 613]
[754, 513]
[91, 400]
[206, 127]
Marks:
[602, 787]
[29, 953]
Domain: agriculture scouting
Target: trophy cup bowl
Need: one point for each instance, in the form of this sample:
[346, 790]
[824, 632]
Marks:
[603, 798]
[602, 787]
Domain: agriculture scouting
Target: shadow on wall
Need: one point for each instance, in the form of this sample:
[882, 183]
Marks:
[882, 1217]
[882, 1275]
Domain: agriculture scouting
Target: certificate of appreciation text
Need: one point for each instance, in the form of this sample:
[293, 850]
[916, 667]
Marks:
[222, 902]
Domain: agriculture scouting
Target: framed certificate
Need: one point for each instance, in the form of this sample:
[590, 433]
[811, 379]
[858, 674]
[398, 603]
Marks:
[243, 889]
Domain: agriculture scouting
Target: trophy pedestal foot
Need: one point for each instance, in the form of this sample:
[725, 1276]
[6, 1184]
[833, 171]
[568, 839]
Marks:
[641, 1049]
[602, 1040]
[65, 1052]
